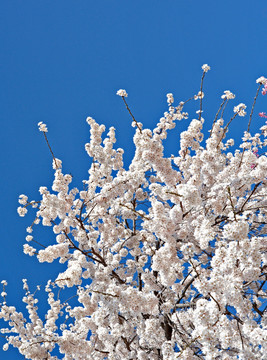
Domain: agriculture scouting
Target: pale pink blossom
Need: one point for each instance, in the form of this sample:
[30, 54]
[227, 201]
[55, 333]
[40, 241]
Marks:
[164, 258]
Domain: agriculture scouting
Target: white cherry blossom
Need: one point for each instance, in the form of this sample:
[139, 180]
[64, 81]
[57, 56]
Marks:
[164, 259]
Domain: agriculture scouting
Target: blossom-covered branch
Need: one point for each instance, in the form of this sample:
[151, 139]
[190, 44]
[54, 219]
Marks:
[165, 259]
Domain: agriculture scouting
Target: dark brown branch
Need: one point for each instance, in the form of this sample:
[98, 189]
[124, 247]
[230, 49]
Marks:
[186, 288]
[227, 312]
[123, 98]
[46, 139]
[248, 198]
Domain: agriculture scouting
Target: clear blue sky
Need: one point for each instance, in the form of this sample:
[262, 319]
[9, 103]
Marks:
[63, 60]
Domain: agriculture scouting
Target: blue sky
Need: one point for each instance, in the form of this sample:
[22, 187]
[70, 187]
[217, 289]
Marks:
[63, 60]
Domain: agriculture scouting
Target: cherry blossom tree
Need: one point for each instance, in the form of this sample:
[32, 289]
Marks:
[165, 259]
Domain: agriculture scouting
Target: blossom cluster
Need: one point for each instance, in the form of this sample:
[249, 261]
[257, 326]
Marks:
[263, 81]
[122, 93]
[42, 127]
[166, 259]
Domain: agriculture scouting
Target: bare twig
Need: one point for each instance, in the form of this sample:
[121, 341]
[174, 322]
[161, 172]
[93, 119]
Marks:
[50, 149]
[252, 109]
[201, 95]
[129, 110]
[216, 116]
[225, 129]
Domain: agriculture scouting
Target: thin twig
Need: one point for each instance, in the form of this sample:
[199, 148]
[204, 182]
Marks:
[216, 116]
[225, 129]
[252, 109]
[250, 118]
[240, 335]
[186, 288]
[223, 110]
[250, 195]
[50, 149]
[231, 201]
[201, 95]
[123, 98]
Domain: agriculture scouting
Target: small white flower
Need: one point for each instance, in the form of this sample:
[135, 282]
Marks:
[22, 211]
[170, 99]
[90, 120]
[43, 190]
[240, 109]
[261, 80]
[23, 199]
[200, 95]
[4, 282]
[228, 95]
[28, 250]
[123, 252]
[42, 127]
[205, 68]
[122, 93]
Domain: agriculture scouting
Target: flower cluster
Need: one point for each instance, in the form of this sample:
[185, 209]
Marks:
[122, 93]
[263, 81]
[205, 68]
[42, 127]
[228, 95]
[240, 109]
[165, 259]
